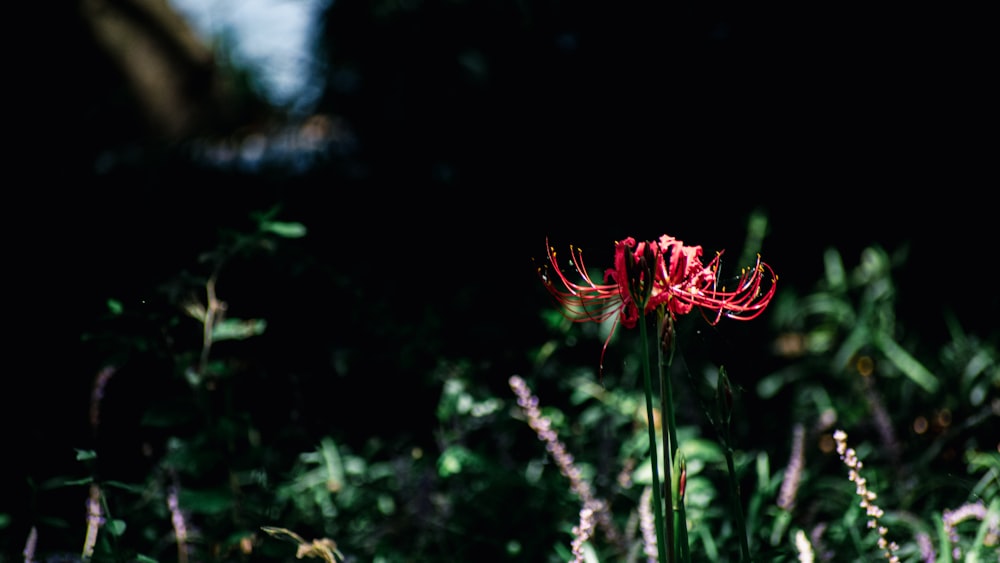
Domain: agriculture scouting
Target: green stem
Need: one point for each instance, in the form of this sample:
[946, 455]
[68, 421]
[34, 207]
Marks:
[661, 530]
[678, 521]
[734, 493]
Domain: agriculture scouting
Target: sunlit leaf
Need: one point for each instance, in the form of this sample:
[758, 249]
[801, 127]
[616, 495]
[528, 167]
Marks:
[115, 306]
[699, 492]
[386, 504]
[284, 229]
[835, 276]
[703, 450]
[448, 404]
[115, 527]
[238, 329]
[456, 459]
[907, 364]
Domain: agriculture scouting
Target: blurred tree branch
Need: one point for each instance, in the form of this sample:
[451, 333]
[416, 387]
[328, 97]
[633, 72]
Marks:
[173, 75]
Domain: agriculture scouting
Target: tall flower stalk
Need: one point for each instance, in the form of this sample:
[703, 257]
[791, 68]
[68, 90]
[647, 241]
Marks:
[660, 279]
[665, 538]
[874, 513]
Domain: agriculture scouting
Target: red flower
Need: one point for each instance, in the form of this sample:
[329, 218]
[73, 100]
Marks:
[685, 282]
[664, 276]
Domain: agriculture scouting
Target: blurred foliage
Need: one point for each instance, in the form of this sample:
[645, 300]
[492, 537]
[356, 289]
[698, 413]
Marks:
[226, 477]
[339, 393]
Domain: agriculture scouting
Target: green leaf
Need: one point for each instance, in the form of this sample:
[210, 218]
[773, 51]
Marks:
[284, 229]
[643, 473]
[449, 464]
[987, 526]
[699, 452]
[456, 459]
[834, 265]
[907, 364]
[386, 504]
[331, 460]
[85, 455]
[115, 306]
[115, 527]
[145, 559]
[699, 493]
[238, 329]
[855, 341]
[450, 396]
[770, 385]
[137, 489]
[59, 482]
[563, 553]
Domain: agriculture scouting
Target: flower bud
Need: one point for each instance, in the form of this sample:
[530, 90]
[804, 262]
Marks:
[680, 479]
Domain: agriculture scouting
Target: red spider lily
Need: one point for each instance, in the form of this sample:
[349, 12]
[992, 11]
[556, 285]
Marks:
[664, 276]
[685, 283]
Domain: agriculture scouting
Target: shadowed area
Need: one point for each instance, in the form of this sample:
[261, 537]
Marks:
[450, 140]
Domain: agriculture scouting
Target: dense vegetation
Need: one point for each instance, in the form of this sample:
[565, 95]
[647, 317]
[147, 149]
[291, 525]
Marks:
[310, 353]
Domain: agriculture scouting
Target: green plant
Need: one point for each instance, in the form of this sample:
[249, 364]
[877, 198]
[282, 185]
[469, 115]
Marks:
[563, 469]
[849, 363]
[665, 278]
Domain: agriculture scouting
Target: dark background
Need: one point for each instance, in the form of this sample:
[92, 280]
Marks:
[481, 128]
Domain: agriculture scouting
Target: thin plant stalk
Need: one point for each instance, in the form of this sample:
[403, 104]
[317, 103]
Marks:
[663, 533]
[724, 410]
[676, 515]
[670, 278]
[734, 493]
